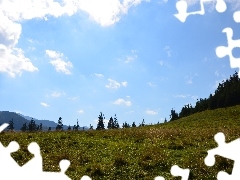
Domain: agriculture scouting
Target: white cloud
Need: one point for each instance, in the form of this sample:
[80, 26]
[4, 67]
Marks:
[122, 102]
[99, 75]
[12, 59]
[104, 12]
[151, 112]
[57, 94]
[124, 84]
[130, 58]
[152, 84]
[168, 51]
[59, 64]
[114, 84]
[129, 112]
[181, 95]
[194, 97]
[13, 62]
[73, 98]
[44, 104]
[80, 111]
[161, 62]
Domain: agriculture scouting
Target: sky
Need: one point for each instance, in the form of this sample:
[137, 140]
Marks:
[133, 58]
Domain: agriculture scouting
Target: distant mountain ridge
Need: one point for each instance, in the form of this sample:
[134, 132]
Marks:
[19, 120]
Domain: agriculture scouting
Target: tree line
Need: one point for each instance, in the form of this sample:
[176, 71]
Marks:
[227, 94]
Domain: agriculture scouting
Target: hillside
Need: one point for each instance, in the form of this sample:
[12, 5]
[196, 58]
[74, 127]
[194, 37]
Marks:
[136, 153]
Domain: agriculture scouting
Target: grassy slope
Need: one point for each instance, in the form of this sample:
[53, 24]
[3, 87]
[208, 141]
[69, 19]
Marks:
[136, 153]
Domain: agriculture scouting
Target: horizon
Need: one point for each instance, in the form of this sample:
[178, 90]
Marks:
[132, 58]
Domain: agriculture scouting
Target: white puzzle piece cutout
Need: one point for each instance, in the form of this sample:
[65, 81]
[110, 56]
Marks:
[182, 6]
[228, 150]
[33, 169]
[222, 51]
[176, 171]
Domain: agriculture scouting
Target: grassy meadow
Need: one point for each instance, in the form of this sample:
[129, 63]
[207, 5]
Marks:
[136, 153]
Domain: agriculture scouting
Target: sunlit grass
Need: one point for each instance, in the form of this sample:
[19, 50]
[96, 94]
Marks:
[135, 153]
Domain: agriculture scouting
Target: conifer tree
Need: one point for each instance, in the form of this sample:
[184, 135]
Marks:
[165, 120]
[77, 126]
[32, 126]
[40, 127]
[133, 124]
[91, 127]
[11, 127]
[24, 127]
[100, 124]
[69, 128]
[60, 124]
[110, 123]
[143, 123]
[115, 122]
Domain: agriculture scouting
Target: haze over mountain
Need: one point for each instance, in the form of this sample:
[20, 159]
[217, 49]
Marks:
[20, 119]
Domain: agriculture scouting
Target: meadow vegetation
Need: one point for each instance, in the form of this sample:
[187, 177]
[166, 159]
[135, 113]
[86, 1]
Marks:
[135, 153]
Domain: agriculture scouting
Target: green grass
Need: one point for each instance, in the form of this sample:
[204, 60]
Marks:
[136, 153]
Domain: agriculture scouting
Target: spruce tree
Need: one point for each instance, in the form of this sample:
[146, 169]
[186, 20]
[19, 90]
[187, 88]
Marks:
[69, 128]
[77, 126]
[24, 128]
[110, 123]
[11, 127]
[40, 127]
[100, 124]
[133, 124]
[60, 124]
[115, 123]
[32, 125]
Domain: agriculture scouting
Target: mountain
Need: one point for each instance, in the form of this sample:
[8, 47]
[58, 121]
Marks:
[19, 120]
[6, 116]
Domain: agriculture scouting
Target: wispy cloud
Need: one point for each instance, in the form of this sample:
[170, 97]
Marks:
[181, 95]
[73, 98]
[129, 112]
[151, 84]
[57, 94]
[130, 58]
[124, 83]
[122, 102]
[44, 104]
[168, 51]
[80, 111]
[151, 112]
[112, 84]
[59, 64]
[186, 96]
[189, 78]
[99, 75]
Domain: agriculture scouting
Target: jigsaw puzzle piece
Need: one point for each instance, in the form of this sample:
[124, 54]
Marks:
[159, 178]
[221, 6]
[236, 16]
[176, 171]
[35, 164]
[227, 150]
[3, 126]
[182, 6]
[223, 51]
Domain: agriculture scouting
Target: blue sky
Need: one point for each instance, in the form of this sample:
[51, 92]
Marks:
[75, 59]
